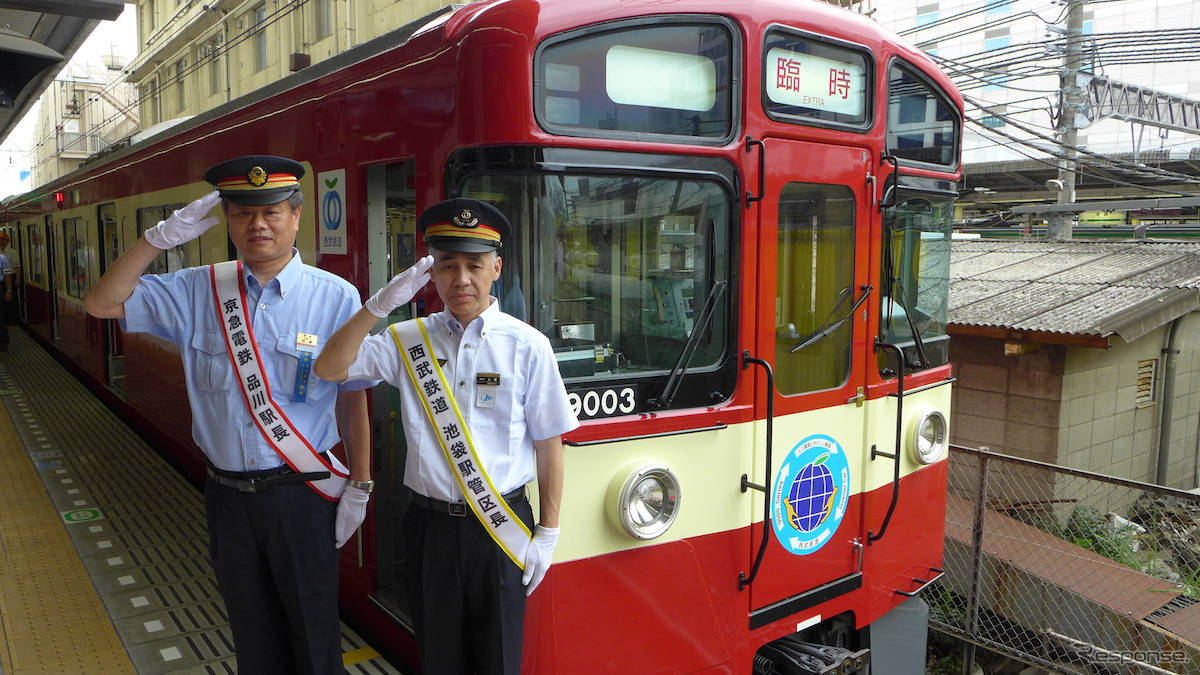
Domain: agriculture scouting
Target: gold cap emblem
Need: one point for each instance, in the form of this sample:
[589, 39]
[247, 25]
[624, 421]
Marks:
[466, 219]
[257, 176]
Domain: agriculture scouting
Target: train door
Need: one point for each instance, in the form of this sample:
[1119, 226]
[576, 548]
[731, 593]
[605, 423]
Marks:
[52, 276]
[391, 231]
[110, 248]
[813, 250]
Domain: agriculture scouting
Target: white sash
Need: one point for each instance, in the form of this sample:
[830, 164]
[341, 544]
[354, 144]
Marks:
[487, 504]
[281, 435]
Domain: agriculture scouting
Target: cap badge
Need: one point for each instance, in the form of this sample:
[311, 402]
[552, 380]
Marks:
[466, 219]
[257, 176]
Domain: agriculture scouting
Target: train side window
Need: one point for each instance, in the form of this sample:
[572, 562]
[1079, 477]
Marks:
[815, 286]
[75, 256]
[176, 258]
[35, 256]
[922, 125]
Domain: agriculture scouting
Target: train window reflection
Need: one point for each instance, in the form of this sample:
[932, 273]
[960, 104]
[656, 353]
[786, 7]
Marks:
[814, 287]
[612, 268]
[916, 268]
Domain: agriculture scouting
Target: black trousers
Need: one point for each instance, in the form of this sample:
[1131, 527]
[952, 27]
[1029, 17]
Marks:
[468, 603]
[277, 568]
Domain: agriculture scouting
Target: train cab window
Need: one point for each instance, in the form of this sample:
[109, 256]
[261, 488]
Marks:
[922, 124]
[75, 256]
[810, 80]
[915, 279]
[669, 80]
[626, 276]
[174, 259]
[814, 287]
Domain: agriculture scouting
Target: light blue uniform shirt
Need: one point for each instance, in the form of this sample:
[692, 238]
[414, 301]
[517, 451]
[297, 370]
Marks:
[180, 307]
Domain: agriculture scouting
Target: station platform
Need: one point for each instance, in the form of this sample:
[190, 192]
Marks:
[103, 546]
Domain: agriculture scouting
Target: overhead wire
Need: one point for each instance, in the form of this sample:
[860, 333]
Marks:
[268, 20]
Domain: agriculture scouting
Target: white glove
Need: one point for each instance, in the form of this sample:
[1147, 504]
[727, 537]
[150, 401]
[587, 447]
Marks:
[400, 289]
[351, 511]
[185, 224]
[539, 556]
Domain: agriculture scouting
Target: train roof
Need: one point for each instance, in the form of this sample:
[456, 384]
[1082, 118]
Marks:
[448, 25]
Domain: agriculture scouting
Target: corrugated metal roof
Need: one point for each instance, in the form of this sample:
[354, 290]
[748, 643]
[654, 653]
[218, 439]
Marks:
[1073, 288]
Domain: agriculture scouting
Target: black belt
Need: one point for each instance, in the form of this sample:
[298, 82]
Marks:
[261, 481]
[460, 509]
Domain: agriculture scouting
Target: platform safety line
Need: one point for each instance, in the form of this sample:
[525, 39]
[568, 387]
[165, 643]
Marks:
[35, 506]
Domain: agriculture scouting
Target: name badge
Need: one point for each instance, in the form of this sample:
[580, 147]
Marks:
[306, 342]
[487, 385]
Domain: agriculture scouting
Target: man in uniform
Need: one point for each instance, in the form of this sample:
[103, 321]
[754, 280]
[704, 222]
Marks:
[278, 504]
[484, 410]
[14, 264]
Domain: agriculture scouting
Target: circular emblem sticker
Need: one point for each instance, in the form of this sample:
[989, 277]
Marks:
[810, 494]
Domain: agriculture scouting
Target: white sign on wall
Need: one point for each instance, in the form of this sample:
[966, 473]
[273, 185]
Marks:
[331, 212]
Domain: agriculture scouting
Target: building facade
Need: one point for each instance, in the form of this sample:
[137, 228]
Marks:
[197, 54]
[1006, 57]
[86, 110]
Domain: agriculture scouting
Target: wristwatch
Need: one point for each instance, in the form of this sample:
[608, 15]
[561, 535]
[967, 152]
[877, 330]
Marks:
[364, 485]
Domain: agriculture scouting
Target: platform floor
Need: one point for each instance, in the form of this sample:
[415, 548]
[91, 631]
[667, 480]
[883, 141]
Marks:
[103, 548]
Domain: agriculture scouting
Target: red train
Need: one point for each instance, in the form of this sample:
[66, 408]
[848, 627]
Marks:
[733, 222]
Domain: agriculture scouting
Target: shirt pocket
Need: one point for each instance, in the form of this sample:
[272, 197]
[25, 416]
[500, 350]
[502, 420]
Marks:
[213, 372]
[285, 363]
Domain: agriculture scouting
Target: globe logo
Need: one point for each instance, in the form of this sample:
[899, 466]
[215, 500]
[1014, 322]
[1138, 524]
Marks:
[810, 494]
[811, 497]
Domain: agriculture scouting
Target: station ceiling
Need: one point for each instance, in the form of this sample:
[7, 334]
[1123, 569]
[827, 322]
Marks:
[37, 39]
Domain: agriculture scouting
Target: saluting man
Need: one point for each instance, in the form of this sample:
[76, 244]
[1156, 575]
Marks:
[484, 410]
[278, 504]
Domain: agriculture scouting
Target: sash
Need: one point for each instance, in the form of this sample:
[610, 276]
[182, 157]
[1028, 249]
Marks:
[508, 531]
[230, 293]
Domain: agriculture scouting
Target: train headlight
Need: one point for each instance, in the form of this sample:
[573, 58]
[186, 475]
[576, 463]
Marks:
[647, 501]
[927, 440]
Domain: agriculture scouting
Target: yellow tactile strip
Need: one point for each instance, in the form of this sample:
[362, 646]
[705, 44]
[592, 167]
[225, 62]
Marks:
[52, 618]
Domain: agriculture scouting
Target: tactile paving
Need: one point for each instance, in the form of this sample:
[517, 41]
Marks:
[107, 570]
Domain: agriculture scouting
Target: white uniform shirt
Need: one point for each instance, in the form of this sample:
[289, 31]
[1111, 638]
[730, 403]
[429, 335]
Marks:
[530, 401]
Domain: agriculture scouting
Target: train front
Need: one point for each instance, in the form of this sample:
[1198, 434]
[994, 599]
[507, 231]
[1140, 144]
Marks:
[734, 226]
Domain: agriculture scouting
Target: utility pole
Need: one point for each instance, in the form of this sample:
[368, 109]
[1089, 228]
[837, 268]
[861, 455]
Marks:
[1070, 102]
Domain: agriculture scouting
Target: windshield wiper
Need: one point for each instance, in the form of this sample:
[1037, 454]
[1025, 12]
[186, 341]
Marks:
[831, 328]
[918, 343]
[689, 349]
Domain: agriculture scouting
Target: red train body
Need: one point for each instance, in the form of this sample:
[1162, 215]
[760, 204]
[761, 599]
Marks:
[733, 223]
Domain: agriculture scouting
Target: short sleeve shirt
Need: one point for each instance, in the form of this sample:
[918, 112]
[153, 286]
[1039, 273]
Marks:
[181, 307]
[530, 401]
[5, 268]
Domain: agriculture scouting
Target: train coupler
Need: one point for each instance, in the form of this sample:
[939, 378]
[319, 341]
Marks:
[792, 656]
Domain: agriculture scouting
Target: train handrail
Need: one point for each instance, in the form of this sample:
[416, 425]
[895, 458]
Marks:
[743, 580]
[871, 536]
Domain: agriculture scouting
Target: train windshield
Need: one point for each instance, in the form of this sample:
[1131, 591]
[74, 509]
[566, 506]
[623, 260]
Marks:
[616, 270]
[916, 284]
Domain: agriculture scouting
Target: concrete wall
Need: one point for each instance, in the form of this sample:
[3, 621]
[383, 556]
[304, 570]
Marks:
[1107, 431]
[1008, 403]
[1077, 407]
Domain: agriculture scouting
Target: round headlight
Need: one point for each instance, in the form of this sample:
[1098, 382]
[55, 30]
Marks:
[648, 502]
[928, 440]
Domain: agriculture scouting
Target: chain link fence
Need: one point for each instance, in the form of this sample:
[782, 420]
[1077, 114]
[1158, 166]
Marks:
[1069, 570]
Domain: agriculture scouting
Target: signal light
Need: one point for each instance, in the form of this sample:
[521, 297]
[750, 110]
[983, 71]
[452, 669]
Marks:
[59, 199]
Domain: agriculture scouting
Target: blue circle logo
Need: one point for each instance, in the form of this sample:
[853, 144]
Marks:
[810, 494]
[332, 210]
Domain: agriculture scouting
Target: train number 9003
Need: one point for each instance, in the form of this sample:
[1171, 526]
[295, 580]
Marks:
[609, 402]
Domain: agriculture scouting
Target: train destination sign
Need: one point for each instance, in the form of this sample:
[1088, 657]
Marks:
[814, 82]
